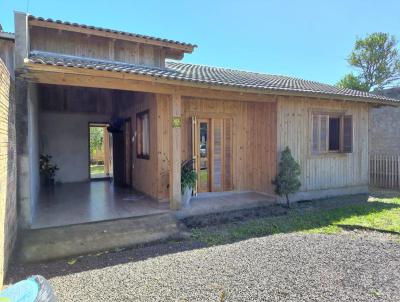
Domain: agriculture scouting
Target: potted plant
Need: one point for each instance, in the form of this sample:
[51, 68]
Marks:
[188, 181]
[47, 170]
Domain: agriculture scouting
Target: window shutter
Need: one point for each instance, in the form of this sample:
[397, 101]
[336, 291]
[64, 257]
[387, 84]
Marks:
[323, 134]
[194, 148]
[216, 154]
[347, 134]
[315, 130]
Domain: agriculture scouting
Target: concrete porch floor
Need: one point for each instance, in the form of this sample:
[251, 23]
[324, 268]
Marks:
[80, 218]
[84, 202]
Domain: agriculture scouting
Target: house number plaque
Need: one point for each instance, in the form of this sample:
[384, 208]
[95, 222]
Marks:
[176, 122]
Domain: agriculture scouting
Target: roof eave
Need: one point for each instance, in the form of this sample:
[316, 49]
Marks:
[108, 33]
[7, 36]
[36, 67]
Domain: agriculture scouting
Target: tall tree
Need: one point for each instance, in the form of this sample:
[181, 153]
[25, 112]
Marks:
[377, 62]
[352, 82]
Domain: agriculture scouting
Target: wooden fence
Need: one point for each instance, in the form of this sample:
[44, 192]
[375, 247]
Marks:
[384, 171]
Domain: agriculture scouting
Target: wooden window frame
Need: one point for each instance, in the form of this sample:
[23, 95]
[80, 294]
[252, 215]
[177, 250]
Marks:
[139, 134]
[341, 116]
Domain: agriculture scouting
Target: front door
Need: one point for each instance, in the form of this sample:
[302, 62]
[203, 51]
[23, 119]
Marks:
[212, 153]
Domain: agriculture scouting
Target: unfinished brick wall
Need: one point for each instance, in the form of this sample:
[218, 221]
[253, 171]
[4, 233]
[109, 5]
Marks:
[8, 208]
[385, 131]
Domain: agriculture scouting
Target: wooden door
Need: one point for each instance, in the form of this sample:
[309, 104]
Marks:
[212, 154]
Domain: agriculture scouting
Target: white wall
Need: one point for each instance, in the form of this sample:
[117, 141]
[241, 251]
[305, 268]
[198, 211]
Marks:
[65, 137]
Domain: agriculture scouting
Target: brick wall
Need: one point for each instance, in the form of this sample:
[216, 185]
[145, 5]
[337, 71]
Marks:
[385, 131]
[8, 210]
[384, 135]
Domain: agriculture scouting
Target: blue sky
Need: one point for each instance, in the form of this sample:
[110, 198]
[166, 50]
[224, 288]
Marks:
[308, 39]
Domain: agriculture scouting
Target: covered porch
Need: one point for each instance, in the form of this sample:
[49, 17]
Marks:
[154, 178]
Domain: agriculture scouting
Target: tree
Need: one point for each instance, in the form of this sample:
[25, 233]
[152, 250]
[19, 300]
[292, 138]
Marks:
[287, 182]
[377, 61]
[96, 139]
[352, 82]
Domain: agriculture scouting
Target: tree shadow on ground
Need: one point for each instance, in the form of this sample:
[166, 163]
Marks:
[228, 228]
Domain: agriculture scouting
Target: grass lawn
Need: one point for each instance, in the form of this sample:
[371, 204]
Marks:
[96, 169]
[377, 213]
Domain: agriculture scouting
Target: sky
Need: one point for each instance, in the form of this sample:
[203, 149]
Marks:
[308, 39]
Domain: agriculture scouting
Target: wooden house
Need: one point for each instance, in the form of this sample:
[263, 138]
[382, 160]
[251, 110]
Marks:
[234, 124]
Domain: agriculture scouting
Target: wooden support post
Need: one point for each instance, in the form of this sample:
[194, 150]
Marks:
[175, 195]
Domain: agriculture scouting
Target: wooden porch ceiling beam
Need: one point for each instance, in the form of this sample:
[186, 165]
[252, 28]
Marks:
[129, 82]
[111, 35]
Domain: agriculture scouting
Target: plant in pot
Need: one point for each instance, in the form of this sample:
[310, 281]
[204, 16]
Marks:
[188, 181]
[47, 170]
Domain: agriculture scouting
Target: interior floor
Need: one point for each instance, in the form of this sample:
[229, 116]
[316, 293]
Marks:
[83, 202]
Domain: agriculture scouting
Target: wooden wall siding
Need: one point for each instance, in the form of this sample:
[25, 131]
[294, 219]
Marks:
[253, 138]
[144, 171]
[320, 172]
[71, 43]
[163, 133]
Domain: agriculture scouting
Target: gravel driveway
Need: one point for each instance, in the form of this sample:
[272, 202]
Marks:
[286, 267]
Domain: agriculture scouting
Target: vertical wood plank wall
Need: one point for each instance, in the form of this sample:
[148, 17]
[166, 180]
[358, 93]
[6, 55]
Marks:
[164, 125]
[71, 43]
[330, 171]
[144, 172]
[254, 138]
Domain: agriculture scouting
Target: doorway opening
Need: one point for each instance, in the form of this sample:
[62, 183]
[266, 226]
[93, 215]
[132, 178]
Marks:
[100, 153]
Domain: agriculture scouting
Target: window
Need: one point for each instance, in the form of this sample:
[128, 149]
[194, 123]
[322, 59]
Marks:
[332, 133]
[143, 135]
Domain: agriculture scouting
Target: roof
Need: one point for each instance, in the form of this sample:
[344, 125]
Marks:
[123, 33]
[212, 76]
[7, 35]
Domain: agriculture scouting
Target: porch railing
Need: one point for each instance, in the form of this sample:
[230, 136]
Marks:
[384, 171]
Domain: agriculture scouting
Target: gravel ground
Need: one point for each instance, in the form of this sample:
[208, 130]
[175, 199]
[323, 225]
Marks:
[285, 267]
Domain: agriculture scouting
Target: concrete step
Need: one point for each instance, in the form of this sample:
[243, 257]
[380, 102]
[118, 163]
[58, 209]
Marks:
[73, 240]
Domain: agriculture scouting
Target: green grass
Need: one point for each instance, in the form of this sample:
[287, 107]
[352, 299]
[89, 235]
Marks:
[381, 214]
[96, 169]
[203, 176]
